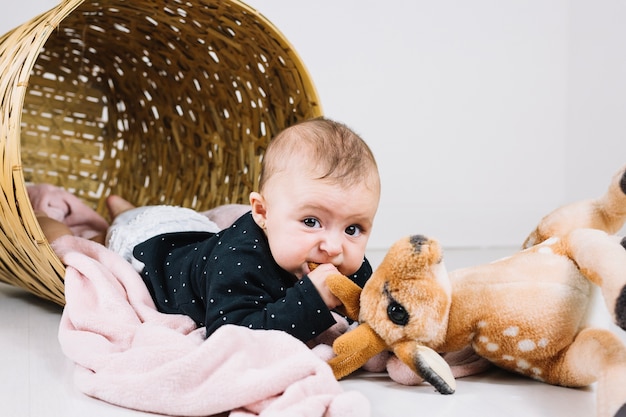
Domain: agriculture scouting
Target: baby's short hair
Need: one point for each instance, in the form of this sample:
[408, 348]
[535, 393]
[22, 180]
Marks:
[330, 149]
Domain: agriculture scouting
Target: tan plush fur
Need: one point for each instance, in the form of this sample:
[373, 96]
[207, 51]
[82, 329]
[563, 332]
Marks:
[525, 313]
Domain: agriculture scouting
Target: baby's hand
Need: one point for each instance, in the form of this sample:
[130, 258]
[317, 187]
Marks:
[318, 277]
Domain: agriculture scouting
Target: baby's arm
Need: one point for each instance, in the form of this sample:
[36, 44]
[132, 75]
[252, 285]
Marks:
[51, 228]
[54, 229]
[267, 302]
[243, 285]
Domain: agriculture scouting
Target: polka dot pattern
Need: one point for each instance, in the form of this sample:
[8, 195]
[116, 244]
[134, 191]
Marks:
[236, 274]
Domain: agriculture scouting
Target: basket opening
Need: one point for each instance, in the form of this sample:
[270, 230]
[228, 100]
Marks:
[162, 103]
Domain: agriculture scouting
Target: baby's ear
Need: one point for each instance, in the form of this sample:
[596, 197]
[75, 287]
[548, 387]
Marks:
[259, 211]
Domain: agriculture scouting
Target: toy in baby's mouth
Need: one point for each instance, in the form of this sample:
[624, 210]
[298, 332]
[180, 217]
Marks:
[525, 313]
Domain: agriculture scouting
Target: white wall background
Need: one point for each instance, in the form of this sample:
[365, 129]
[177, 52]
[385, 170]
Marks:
[484, 115]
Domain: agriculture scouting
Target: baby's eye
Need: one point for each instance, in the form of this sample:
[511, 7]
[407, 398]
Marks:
[353, 230]
[311, 222]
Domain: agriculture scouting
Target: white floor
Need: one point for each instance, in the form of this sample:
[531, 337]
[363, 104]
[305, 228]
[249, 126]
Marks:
[37, 377]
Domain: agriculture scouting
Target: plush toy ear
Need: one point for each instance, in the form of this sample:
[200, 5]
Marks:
[354, 349]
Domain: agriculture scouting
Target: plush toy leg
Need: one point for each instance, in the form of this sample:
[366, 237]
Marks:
[606, 213]
[602, 259]
[595, 355]
[598, 354]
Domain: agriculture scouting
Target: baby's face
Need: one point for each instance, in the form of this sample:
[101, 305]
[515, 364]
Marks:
[311, 220]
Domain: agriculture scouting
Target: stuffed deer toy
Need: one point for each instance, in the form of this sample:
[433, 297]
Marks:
[525, 313]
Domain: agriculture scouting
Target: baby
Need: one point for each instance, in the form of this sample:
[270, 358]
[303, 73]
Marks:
[317, 199]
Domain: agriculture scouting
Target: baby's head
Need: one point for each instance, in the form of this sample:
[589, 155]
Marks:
[329, 150]
[318, 195]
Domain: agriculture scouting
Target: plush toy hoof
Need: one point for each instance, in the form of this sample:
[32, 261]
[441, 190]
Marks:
[622, 185]
[435, 370]
[621, 412]
[620, 311]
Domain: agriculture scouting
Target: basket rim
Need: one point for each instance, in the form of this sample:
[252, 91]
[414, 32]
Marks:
[33, 35]
[288, 46]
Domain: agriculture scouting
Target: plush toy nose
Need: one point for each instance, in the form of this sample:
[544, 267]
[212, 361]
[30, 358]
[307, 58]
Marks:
[417, 241]
[420, 252]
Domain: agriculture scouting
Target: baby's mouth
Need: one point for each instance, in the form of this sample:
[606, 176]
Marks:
[307, 268]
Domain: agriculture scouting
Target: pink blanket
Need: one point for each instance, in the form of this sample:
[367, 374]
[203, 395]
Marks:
[129, 354]
[61, 205]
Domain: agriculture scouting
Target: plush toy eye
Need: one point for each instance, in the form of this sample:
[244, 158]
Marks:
[397, 314]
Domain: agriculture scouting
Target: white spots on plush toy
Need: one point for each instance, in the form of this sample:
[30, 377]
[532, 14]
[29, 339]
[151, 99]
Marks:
[523, 364]
[526, 345]
[535, 373]
[489, 346]
[518, 359]
[546, 249]
[511, 331]
[492, 347]
[546, 245]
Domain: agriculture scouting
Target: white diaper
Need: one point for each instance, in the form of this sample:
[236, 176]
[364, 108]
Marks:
[137, 225]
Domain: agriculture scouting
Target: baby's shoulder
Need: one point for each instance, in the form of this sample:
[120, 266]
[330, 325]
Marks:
[243, 237]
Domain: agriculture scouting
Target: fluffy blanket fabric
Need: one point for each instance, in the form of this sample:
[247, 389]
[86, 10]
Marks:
[129, 354]
[61, 205]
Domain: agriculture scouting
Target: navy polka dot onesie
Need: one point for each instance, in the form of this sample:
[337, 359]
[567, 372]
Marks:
[231, 278]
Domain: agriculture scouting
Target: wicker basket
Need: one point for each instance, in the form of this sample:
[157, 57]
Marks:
[160, 101]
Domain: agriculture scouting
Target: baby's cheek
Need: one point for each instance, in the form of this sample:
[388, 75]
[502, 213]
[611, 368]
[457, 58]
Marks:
[348, 269]
[351, 264]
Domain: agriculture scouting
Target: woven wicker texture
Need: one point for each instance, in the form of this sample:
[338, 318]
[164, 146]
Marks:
[162, 101]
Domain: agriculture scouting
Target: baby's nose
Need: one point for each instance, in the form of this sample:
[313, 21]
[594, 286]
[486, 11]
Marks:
[332, 245]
